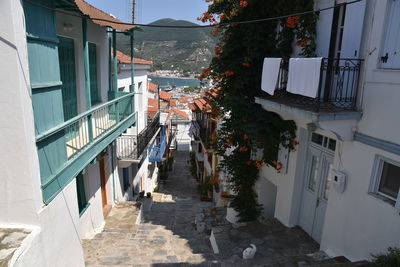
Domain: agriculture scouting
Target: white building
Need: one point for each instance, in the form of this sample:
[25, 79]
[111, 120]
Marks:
[348, 133]
[135, 171]
[62, 113]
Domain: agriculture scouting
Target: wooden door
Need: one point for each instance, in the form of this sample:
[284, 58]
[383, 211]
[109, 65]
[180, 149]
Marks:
[103, 182]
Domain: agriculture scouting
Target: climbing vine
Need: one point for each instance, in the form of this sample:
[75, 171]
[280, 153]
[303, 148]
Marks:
[236, 70]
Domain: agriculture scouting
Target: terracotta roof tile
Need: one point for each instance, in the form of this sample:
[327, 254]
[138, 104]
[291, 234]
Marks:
[125, 59]
[152, 87]
[152, 105]
[173, 103]
[192, 107]
[180, 113]
[165, 96]
[95, 13]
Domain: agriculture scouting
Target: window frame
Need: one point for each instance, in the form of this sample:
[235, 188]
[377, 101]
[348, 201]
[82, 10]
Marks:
[85, 202]
[384, 39]
[376, 179]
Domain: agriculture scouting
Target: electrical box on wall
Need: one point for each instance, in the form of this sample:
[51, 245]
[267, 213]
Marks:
[339, 180]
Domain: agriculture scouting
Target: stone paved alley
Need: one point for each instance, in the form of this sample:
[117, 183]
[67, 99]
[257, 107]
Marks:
[167, 235]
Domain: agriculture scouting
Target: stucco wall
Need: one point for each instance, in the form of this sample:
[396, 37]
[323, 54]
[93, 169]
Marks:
[182, 136]
[20, 193]
[357, 223]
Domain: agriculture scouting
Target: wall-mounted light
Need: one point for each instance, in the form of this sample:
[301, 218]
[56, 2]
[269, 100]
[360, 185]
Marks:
[68, 27]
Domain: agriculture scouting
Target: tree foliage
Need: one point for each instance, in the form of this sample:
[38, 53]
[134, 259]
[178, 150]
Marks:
[236, 71]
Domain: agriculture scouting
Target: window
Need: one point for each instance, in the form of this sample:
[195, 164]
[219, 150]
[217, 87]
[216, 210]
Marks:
[80, 187]
[94, 92]
[386, 180]
[323, 141]
[390, 56]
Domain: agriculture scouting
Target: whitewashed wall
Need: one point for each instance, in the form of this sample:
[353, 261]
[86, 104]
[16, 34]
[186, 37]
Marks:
[141, 102]
[21, 201]
[97, 35]
[182, 136]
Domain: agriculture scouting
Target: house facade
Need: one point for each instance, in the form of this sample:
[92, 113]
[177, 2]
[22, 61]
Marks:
[64, 113]
[341, 185]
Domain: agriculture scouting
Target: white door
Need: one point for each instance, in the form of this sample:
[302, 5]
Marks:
[316, 187]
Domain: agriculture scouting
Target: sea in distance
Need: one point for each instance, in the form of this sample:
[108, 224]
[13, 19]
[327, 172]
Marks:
[179, 82]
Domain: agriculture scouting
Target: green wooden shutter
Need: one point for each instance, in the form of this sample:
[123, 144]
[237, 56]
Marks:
[80, 188]
[47, 102]
[66, 54]
[93, 74]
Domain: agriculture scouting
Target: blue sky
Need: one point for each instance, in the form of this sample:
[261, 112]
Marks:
[151, 10]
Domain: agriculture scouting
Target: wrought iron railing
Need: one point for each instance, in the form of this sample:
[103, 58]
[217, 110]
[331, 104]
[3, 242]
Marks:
[338, 87]
[131, 147]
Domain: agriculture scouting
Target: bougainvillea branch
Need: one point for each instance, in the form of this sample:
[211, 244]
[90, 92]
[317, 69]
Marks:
[236, 70]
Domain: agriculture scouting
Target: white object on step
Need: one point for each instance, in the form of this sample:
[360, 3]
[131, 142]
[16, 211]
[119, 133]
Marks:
[270, 74]
[304, 76]
[232, 215]
[249, 252]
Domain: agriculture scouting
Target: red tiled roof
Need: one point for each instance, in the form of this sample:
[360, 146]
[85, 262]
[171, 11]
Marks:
[125, 59]
[192, 107]
[152, 105]
[185, 99]
[95, 14]
[152, 87]
[172, 103]
[165, 96]
[180, 113]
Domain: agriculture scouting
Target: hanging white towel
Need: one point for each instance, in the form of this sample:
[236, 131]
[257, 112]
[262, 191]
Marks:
[270, 74]
[304, 75]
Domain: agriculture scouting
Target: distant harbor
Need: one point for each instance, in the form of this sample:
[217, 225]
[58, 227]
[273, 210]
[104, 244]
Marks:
[178, 82]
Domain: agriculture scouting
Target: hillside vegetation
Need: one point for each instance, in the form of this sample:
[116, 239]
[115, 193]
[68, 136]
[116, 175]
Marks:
[187, 50]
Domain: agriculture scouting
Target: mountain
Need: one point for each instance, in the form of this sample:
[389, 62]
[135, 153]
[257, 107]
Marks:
[187, 50]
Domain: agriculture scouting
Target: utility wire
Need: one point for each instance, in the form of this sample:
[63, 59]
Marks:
[197, 26]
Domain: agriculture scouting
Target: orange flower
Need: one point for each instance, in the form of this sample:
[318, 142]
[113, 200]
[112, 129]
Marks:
[229, 73]
[243, 149]
[295, 143]
[217, 49]
[222, 16]
[258, 164]
[224, 194]
[233, 13]
[292, 22]
[243, 4]
[302, 43]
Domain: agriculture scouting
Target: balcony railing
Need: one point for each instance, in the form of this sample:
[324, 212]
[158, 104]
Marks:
[159, 147]
[131, 147]
[67, 148]
[338, 87]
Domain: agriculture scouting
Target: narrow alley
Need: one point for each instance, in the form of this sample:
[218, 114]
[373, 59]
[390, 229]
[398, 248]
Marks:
[167, 233]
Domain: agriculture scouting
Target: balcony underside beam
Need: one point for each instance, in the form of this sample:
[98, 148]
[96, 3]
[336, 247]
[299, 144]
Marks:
[72, 168]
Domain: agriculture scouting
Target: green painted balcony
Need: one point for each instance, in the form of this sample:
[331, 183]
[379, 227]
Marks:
[68, 148]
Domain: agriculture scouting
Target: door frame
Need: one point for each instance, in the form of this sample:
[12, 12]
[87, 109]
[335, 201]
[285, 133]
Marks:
[305, 169]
